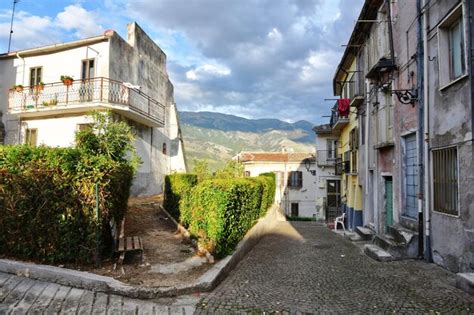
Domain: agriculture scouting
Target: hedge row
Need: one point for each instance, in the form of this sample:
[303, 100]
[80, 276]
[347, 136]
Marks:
[219, 212]
[48, 202]
[177, 187]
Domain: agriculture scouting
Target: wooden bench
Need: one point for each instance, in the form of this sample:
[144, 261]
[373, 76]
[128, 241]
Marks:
[124, 244]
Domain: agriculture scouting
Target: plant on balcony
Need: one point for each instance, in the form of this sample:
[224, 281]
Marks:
[67, 80]
[18, 88]
[39, 86]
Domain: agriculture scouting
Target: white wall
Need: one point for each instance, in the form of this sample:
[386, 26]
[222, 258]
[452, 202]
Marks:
[304, 196]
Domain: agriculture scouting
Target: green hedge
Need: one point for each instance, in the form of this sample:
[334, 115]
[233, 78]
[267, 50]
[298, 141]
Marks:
[177, 189]
[223, 210]
[48, 202]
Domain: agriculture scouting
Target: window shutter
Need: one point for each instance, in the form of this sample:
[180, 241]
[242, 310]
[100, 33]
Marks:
[300, 179]
[289, 179]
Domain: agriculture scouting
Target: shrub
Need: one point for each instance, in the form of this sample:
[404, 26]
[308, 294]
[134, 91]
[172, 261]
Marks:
[177, 187]
[48, 195]
[223, 210]
[268, 181]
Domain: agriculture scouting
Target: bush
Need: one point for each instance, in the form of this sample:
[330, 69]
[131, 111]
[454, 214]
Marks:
[48, 195]
[177, 187]
[268, 181]
[223, 210]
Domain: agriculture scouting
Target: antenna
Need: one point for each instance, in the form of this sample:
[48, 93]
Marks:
[11, 24]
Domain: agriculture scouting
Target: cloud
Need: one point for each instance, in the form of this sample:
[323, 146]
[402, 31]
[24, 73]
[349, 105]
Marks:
[207, 70]
[79, 20]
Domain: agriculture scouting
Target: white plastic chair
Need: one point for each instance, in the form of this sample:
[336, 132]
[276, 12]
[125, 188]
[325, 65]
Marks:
[340, 219]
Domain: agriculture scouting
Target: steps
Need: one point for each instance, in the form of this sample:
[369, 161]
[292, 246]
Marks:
[401, 243]
[375, 252]
[365, 233]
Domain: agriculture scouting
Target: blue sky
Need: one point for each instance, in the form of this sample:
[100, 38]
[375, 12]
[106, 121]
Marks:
[252, 58]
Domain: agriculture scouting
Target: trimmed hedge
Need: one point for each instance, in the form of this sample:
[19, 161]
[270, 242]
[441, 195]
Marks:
[223, 210]
[48, 202]
[177, 188]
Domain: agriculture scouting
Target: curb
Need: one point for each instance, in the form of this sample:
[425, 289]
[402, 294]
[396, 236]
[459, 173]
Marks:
[89, 281]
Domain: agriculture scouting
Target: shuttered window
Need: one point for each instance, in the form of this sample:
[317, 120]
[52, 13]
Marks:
[295, 179]
[445, 181]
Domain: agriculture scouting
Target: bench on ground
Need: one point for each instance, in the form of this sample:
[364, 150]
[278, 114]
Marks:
[123, 244]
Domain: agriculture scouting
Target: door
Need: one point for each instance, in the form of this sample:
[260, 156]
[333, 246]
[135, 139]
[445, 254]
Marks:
[333, 199]
[388, 202]
[295, 210]
[410, 177]
[86, 90]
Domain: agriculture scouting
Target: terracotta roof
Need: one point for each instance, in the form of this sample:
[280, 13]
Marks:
[274, 156]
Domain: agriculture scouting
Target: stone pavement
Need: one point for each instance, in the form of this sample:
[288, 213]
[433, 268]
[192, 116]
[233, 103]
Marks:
[305, 268]
[19, 295]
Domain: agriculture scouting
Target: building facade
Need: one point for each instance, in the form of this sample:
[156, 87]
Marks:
[407, 74]
[127, 77]
[295, 176]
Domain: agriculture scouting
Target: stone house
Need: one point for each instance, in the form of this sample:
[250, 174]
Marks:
[127, 77]
[295, 176]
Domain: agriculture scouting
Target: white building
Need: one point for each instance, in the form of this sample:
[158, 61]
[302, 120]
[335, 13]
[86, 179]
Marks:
[295, 175]
[328, 191]
[128, 77]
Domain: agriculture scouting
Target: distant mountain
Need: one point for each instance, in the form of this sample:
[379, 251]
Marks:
[217, 137]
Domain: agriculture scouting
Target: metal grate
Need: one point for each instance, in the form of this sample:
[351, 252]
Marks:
[445, 180]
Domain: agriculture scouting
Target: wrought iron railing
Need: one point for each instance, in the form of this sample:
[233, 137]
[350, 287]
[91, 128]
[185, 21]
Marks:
[85, 92]
[335, 117]
[326, 157]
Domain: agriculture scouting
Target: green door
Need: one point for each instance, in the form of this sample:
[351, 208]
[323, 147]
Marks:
[388, 202]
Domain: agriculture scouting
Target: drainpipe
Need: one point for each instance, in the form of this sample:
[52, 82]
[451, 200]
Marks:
[426, 143]
[22, 83]
[420, 53]
[390, 32]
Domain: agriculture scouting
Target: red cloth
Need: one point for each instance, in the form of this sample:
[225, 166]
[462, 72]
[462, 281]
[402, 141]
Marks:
[343, 105]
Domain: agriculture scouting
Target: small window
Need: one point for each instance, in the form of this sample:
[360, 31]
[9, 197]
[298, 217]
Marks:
[31, 137]
[247, 173]
[35, 76]
[445, 181]
[295, 211]
[164, 148]
[295, 179]
[84, 127]
[452, 47]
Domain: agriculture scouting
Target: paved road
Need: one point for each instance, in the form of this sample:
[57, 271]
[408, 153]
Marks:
[306, 268]
[19, 295]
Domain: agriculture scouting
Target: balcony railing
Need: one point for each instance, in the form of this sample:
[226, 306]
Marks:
[326, 157]
[337, 122]
[90, 93]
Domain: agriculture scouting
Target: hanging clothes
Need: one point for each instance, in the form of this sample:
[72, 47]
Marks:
[343, 107]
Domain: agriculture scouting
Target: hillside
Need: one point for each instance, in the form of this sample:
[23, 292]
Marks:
[217, 137]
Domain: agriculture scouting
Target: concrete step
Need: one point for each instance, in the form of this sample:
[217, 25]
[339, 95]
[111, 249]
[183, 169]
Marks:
[377, 253]
[465, 282]
[354, 237]
[401, 234]
[365, 233]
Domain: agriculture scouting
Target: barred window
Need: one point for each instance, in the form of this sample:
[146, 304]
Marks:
[445, 181]
[295, 179]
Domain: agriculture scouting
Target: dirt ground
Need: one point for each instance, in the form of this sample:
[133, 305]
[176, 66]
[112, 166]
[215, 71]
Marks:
[168, 258]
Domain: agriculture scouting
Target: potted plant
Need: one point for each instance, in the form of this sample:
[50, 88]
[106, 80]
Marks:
[67, 80]
[18, 88]
[40, 86]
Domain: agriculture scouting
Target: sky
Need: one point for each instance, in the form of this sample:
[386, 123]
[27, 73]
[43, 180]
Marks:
[251, 58]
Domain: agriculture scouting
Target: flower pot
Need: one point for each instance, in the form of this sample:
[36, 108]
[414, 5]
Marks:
[67, 82]
[19, 89]
[40, 87]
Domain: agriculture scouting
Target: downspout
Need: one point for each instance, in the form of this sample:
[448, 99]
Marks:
[390, 32]
[426, 156]
[23, 83]
[420, 69]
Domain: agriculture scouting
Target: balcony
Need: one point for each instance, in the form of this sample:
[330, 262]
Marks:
[83, 96]
[326, 157]
[356, 89]
[338, 122]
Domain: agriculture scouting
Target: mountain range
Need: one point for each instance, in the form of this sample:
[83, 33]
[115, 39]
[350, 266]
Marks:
[217, 137]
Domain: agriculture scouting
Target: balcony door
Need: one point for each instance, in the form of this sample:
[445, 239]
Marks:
[333, 200]
[86, 92]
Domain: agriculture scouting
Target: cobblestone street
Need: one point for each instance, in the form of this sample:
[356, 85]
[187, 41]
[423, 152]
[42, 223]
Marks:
[304, 267]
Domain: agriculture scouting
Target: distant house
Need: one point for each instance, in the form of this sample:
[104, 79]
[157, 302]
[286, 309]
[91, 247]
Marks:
[295, 175]
[127, 77]
[328, 177]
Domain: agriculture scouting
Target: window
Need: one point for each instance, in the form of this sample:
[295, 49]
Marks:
[163, 150]
[35, 76]
[452, 47]
[445, 181]
[295, 179]
[84, 127]
[295, 209]
[247, 174]
[31, 137]
[88, 67]
[331, 146]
